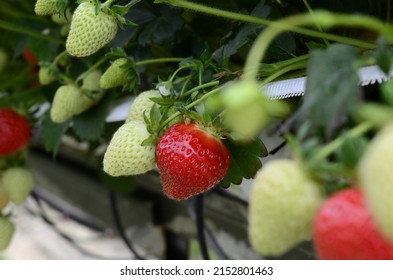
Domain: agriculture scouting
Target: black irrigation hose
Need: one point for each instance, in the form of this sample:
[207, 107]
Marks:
[45, 218]
[278, 148]
[195, 209]
[214, 244]
[119, 224]
[83, 221]
[224, 193]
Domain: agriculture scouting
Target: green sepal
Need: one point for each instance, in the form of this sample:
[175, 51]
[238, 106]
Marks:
[245, 160]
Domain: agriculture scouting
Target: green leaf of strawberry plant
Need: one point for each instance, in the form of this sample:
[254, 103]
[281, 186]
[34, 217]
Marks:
[52, 133]
[89, 125]
[245, 160]
[331, 89]
[384, 56]
[163, 27]
[244, 36]
[351, 151]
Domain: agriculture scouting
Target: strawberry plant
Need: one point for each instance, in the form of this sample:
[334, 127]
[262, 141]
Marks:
[210, 83]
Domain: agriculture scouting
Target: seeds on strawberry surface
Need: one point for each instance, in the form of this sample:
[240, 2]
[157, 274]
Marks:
[89, 32]
[116, 74]
[70, 101]
[125, 155]
[283, 204]
[45, 7]
[190, 160]
[15, 131]
[345, 230]
[142, 104]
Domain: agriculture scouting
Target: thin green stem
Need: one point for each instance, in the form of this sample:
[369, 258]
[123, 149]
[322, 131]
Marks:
[358, 130]
[275, 75]
[191, 105]
[317, 24]
[262, 21]
[107, 4]
[291, 61]
[92, 68]
[30, 32]
[59, 56]
[210, 84]
[157, 60]
[325, 19]
[185, 85]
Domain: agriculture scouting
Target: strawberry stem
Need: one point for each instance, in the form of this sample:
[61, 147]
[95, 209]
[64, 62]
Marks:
[336, 143]
[92, 68]
[324, 18]
[192, 104]
[23, 30]
[157, 60]
[275, 75]
[262, 21]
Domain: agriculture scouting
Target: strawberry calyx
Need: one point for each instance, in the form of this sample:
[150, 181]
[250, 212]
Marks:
[117, 11]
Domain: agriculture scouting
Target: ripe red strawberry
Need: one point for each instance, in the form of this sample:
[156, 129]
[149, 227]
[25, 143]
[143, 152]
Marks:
[15, 131]
[345, 230]
[190, 160]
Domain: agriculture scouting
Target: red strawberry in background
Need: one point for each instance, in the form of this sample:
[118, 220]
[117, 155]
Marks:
[15, 131]
[344, 230]
[190, 160]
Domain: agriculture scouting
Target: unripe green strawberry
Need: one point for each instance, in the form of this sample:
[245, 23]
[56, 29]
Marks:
[117, 74]
[142, 104]
[92, 81]
[125, 155]
[376, 179]
[283, 204]
[46, 75]
[45, 7]
[70, 101]
[18, 183]
[4, 199]
[89, 31]
[7, 230]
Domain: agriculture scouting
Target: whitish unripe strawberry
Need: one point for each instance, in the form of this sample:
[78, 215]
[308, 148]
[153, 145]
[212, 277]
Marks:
[125, 155]
[283, 204]
[45, 7]
[376, 179]
[46, 75]
[70, 101]
[117, 74]
[7, 230]
[18, 182]
[142, 104]
[3, 198]
[89, 31]
[92, 81]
